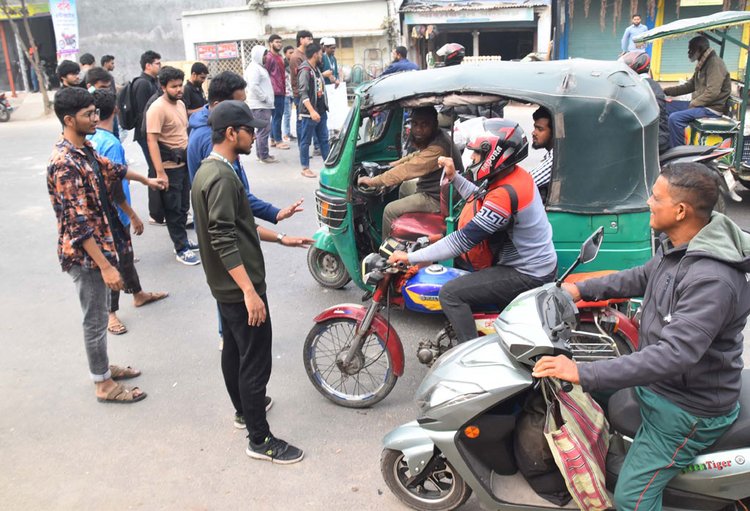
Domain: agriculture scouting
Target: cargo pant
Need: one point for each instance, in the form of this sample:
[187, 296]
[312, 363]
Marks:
[668, 440]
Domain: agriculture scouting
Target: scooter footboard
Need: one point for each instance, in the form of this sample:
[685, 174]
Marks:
[417, 447]
[723, 474]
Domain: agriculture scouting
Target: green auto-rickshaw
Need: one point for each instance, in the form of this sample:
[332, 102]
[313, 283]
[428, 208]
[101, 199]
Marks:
[605, 156]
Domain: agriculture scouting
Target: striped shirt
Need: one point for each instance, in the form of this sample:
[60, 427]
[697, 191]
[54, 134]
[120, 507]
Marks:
[542, 174]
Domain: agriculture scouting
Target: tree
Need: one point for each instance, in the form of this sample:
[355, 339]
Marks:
[13, 12]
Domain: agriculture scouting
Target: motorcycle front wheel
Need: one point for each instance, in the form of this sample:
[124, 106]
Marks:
[327, 269]
[365, 381]
[440, 490]
[4, 115]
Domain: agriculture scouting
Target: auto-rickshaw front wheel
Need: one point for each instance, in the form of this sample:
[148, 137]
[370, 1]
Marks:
[327, 269]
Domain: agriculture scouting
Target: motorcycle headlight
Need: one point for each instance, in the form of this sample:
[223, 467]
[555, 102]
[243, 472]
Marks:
[447, 393]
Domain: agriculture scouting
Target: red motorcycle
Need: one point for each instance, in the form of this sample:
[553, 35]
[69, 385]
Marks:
[353, 355]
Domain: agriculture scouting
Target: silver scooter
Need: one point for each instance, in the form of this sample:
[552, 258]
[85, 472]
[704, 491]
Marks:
[468, 403]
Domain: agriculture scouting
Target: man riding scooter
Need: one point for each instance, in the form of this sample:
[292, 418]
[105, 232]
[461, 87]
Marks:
[503, 229]
[431, 143]
[687, 371]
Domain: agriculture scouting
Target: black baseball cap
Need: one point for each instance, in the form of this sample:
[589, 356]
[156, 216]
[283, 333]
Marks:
[233, 113]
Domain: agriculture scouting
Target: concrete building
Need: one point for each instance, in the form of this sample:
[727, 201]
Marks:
[507, 29]
[223, 37]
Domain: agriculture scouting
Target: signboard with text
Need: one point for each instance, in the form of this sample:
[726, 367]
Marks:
[228, 51]
[65, 23]
[206, 52]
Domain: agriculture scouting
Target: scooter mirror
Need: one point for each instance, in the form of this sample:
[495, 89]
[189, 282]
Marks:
[591, 246]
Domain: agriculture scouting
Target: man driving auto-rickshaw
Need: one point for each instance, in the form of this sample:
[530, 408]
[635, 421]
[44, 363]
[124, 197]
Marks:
[605, 144]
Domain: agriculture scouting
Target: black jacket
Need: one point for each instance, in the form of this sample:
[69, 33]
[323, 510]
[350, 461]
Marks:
[144, 87]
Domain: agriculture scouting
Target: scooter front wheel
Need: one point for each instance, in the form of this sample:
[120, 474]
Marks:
[327, 269]
[366, 380]
[442, 489]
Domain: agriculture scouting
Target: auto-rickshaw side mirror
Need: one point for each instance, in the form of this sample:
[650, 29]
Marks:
[591, 246]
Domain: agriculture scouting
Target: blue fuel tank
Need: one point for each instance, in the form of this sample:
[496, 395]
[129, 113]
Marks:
[421, 291]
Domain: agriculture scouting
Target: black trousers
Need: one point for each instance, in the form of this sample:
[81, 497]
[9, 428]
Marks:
[497, 285]
[129, 274]
[176, 202]
[155, 208]
[246, 365]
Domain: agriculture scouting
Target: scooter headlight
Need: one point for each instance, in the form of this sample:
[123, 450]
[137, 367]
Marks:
[447, 393]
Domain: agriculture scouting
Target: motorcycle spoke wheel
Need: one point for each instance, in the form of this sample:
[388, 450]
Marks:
[369, 377]
[442, 490]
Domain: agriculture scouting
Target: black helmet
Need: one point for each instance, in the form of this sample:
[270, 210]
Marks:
[638, 61]
[452, 53]
[502, 144]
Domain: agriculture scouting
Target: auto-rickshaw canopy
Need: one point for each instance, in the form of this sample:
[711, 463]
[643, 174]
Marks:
[605, 121]
[716, 21]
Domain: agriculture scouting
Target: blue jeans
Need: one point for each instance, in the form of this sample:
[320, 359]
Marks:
[286, 127]
[278, 113]
[309, 129]
[680, 115]
[94, 297]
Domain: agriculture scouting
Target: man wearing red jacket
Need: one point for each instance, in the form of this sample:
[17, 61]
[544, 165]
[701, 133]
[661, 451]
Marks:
[276, 69]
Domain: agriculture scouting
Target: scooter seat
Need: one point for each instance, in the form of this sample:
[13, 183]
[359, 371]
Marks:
[412, 226]
[625, 417]
[583, 304]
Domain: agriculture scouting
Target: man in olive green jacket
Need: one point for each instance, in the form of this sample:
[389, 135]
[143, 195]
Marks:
[710, 86]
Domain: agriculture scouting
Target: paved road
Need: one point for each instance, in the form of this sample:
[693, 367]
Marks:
[177, 449]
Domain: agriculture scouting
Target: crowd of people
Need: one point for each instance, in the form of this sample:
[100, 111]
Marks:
[192, 143]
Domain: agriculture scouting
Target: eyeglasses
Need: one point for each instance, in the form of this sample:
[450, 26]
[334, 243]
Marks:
[92, 113]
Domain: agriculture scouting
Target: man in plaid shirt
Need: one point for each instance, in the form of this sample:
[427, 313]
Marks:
[82, 186]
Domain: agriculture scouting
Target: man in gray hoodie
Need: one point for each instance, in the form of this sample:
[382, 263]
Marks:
[260, 99]
[688, 367]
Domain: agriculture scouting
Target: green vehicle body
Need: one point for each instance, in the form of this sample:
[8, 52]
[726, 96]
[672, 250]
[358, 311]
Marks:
[605, 151]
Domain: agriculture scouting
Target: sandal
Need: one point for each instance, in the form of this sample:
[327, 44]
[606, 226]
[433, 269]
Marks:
[123, 373]
[122, 395]
[308, 173]
[281, 145]
[116, 327]
[152, 297]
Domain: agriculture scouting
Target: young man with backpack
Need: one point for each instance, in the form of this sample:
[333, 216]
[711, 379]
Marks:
[133, 100]
[503, 229]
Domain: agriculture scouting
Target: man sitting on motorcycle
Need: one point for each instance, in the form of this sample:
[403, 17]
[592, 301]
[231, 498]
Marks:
[687, 370]
[431, 144]
[503, 229]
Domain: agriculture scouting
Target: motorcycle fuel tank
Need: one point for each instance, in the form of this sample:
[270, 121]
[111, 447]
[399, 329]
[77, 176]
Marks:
[421, 291]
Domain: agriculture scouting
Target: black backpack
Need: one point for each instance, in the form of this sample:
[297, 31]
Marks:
[128, 115]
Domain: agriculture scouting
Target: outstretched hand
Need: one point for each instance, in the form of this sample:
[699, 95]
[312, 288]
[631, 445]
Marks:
[297, 241]
[289, 211]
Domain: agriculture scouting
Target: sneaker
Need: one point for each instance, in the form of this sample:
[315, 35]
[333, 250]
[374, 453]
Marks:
[274, 450]
[192, 245]
[188, 257]
[190, 224]
[154, 222]
[269, 159]
[239, 420]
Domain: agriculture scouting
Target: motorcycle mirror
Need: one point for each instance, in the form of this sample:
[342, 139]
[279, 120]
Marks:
[591, 246]
[589, 251]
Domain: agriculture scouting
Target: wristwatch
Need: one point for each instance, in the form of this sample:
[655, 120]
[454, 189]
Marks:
[280, 236]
